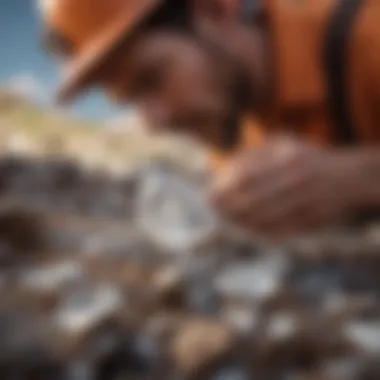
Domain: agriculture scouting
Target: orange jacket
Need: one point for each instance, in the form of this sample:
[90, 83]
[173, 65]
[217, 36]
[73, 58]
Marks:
[297, 30]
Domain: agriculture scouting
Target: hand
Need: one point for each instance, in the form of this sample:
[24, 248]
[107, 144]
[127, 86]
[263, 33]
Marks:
[287, 186]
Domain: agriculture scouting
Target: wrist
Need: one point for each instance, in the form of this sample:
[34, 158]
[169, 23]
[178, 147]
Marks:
[364, 170]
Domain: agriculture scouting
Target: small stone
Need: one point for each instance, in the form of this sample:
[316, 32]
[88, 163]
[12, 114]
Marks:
[169, 285]
[202, 299]
[201, 344]
[282, 327]
[242, 319]
[147, 347]
[343, 369]
[231, 373]
[21, 229]
[86, 308]
[52, 277]
[80, 370]
[163, 326]
[373, 234]
[257, 280]
[364, 335]
[335, 303]
[343, 304]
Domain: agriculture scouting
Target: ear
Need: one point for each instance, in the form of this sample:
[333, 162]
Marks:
[216, 10]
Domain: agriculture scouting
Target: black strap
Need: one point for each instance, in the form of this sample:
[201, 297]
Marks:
[336, 69]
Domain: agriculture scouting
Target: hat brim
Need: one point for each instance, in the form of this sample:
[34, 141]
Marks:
[81, 69]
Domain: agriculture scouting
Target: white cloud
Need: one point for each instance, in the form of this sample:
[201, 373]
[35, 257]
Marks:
[27, 85]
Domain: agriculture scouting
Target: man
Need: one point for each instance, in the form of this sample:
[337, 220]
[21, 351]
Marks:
[307, 69]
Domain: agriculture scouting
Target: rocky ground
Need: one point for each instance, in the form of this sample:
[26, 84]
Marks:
[118, 275]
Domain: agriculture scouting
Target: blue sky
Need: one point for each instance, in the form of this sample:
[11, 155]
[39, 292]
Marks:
[24, 66]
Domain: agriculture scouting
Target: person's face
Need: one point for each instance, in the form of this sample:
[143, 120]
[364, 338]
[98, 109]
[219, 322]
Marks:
[176, 83]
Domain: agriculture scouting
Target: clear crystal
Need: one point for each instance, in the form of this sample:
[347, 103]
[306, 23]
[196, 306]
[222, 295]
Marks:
[173, 212]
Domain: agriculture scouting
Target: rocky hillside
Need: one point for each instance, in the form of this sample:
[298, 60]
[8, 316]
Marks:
[28, 129]
[132, 277]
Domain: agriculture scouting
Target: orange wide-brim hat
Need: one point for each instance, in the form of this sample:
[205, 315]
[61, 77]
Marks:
[94, 28]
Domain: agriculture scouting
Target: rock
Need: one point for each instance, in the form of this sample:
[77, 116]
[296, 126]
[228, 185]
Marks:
[257, 280]
[24, 346]
[85, 310]
[21, 229]
[365, 336]
[282, 327]
[169, 285]
[80, 370]
[162, 327]
[202, 344]
[231, 373]
[343, 369]
[242, 318]
[202, 298]
[52, 277]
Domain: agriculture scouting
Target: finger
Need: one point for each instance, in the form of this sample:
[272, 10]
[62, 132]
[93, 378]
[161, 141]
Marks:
[285, 223]
[248, 171]
[237, 170]
[269, 198]
[277, 158]
[303, 215]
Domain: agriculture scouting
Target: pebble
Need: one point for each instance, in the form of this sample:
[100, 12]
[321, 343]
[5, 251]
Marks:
[365, 336]
[200, 344]
[53, 277]
[169, 284]
[86, 307]
[282, 327]
[258, 280]
[231, 373]
[242, 318]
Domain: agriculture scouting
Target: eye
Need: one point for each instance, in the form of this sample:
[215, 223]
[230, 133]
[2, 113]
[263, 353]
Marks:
[148, 79]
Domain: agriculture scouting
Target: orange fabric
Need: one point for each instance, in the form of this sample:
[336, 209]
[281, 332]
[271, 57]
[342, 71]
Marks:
[94, 27]
[252, 135]
[297, 29]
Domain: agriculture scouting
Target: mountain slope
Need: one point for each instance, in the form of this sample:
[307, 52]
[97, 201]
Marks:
[26, 128]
